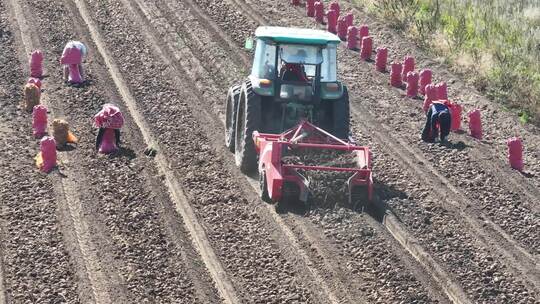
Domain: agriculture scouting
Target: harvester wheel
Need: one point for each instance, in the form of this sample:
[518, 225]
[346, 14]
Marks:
[248, 119]
[230, 115]
[263, 186]
[341, 115]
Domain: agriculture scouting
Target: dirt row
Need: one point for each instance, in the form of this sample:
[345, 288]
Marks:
[515, 212]
[260, 268]
[142, 251]
[481, 259]
[207, 50]
[36, 262]
[499, 124]
[478, 166]
[517, 218]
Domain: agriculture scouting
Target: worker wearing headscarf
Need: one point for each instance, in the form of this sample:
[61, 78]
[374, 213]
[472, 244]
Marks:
[438, 118]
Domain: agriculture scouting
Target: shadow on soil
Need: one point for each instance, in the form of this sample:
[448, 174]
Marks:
[455, 145]
[124, 153]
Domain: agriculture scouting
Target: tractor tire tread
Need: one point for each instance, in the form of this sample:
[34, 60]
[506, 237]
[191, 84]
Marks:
[246, 159]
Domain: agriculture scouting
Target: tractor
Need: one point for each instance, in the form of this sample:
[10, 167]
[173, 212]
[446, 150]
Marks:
[292, 100]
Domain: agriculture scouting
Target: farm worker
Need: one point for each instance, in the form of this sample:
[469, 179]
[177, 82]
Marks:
[437, 117]
[293, 72]
[109, 121]
[72, 57]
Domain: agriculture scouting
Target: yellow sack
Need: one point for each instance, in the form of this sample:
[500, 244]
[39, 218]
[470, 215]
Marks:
[32, 95]
[39, 161]
[71, 138]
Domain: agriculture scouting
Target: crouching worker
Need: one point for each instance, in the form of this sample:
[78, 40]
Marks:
[72, 58]
[437, 119]
[109, 121]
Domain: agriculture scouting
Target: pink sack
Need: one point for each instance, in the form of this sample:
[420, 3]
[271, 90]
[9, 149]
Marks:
[331, 25]
[408, 66]
[395, 74]
[455, 112]
[363, 31]
[475, 124]
[36, 64]
[71, 55]
[429, 97]
[381, 58]
[442, 90]
[47, 148]
[335, 7]
[310, 8]
[319, 12]
[366, 48]
[108, 142]
[74, 75]
[352, 38]
[425, 79]
[342, 28]
[295, 2]
[515, 153]
[109, 117]
[39, 121]
[349, 19]
[412, 84]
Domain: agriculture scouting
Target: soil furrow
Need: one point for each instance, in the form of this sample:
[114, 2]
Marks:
[517, 212]
[241, 239]
[514, 218]
[35, 260]
[499, 123]
[203, 245]
[122, 211]
[168, 31]
[2, 288]
[214, 12]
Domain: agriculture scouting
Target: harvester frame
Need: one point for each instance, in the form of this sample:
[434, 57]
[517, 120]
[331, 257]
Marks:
[303, 106]
[275, 175]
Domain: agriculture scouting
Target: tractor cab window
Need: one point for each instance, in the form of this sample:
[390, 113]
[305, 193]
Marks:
[329, 64]
[264, 64]
[298, 62]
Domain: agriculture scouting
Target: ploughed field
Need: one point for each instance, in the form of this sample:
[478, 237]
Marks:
[450, 223]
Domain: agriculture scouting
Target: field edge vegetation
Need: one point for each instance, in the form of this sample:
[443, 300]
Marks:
[493, 43]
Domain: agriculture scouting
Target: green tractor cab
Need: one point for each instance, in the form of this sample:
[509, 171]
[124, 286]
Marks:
[293, 79]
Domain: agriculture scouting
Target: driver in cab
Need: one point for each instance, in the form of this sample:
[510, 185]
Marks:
[294, 72]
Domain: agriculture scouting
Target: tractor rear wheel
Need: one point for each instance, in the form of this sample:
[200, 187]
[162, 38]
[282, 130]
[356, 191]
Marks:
[248, 119]
[230, 116]
[341, 115]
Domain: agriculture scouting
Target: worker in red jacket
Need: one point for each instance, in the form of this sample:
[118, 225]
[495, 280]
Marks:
[438, 118]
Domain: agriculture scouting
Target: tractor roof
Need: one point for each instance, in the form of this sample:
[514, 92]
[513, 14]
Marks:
[295, 35]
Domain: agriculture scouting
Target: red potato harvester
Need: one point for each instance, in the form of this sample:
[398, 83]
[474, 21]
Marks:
[278, 179]
[293, 102]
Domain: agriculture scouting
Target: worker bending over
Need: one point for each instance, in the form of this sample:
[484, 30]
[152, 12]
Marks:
[438, 118]
[72, 58]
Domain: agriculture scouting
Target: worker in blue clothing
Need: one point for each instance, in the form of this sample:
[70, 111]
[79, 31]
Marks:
[438, 118]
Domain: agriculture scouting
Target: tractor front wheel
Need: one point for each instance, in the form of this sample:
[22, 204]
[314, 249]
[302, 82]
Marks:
[248, 119]
[230, 116]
